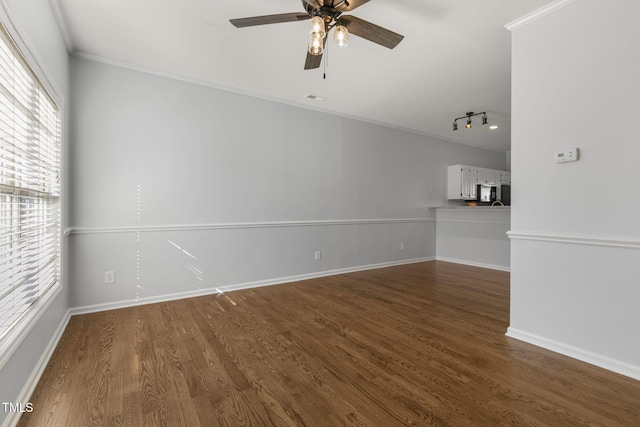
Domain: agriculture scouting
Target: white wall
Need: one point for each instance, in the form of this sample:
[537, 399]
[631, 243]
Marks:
[183, 189]
[575, 253]
[36, 30]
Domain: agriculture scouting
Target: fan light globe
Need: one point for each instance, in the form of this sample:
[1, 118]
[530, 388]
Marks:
[316, 45]
[341, 36]
[323, 17]
[317, 27]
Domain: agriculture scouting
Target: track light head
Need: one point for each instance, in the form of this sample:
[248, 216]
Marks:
[455, 125]
[484, 119]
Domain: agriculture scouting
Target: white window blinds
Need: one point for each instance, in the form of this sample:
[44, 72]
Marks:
[29, 187]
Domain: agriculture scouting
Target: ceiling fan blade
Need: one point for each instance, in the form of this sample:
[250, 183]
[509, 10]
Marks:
[269, 19]
[312, 61]
[346, 6]
[371, 32]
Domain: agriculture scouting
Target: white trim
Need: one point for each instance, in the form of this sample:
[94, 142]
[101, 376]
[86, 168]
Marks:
[62, 25]
[8, 16]
[21, 329]
[12, 24]
[537, 14]
[29, 387]
[474, 264]
[240, 225]
[574, 239]
[632, 371]
[221, 289]
[209, 84]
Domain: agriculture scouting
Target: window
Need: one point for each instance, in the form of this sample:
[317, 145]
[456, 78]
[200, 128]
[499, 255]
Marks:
[30, 141]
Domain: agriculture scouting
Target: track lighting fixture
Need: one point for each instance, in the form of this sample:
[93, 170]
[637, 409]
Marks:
[468, 117]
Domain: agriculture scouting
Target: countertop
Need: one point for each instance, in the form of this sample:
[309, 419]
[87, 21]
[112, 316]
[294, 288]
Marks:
[475, 207]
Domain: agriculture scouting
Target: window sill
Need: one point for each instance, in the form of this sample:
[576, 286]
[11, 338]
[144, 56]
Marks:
[10, 343]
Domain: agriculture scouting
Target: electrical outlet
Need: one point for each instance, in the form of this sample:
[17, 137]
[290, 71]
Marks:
[401, 247]
[109, 277]
[318, 256]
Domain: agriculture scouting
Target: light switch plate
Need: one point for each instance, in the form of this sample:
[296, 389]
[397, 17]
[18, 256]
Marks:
[567, 155]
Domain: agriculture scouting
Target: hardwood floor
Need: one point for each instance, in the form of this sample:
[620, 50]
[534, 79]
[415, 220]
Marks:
[415, 345]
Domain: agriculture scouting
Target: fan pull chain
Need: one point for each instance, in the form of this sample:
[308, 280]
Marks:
[326, 61]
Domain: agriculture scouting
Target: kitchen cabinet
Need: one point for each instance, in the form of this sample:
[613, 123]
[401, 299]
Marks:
[505, 178]
[483, 176]
[462, 180]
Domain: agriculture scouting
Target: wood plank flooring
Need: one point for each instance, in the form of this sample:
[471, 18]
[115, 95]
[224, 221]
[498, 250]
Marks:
[415, 345]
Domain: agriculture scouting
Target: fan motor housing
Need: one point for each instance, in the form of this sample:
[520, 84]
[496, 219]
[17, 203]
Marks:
[326, 12]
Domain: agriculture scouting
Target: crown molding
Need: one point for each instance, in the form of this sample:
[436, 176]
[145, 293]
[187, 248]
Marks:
[62, 25]
[537, 14]
[12, 24]
[191, 80]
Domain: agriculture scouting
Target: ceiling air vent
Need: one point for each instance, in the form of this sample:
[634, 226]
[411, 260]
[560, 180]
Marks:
[315, 97]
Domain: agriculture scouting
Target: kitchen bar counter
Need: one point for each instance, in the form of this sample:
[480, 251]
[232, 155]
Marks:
[475, 207]
[474, 235]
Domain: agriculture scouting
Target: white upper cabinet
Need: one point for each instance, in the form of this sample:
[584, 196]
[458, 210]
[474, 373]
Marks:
[505, 178]
[462, 180]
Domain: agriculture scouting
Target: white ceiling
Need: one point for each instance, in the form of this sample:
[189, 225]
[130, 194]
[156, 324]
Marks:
[455, 56]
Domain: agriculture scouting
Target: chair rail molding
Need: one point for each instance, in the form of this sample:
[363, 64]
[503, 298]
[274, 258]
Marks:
[240, 225]
[611, 242]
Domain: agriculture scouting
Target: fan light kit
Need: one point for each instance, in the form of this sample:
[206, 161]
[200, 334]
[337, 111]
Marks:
[326, 15]
[468, 117]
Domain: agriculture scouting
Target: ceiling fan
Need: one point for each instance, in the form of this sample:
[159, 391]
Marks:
[324, 16]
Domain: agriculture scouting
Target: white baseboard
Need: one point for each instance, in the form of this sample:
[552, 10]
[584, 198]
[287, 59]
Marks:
[29, 387]
[474, 264]
[576, 353]
[221, 289]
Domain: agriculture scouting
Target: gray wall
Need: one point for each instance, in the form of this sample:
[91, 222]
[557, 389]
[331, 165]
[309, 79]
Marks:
[474, 236]
[183, 189]
[575, 249]
[37, 31]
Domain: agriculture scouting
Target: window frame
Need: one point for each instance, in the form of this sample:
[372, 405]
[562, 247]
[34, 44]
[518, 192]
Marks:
[14, 337]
